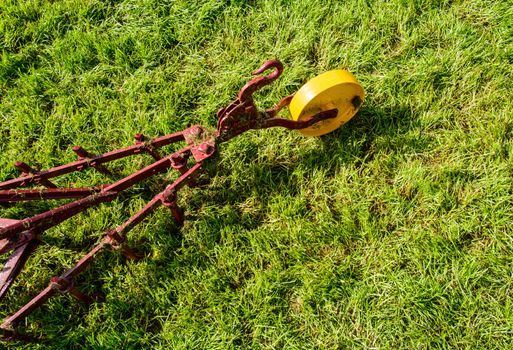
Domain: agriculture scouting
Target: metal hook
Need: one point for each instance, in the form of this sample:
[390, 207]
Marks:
[257, 83]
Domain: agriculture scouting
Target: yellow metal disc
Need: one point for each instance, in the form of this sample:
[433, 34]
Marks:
[334, 89]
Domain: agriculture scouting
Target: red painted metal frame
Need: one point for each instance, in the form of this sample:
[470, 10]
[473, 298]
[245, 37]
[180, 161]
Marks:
[23, 236]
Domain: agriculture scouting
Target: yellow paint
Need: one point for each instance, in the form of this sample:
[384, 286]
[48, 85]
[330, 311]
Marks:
[334, 89]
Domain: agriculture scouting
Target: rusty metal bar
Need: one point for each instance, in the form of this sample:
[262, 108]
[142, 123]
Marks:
[156, 201]
[82, 164]
[139, 216]
[10, 243]
[17, 195]
[55, 216]
[140, 175]
[85, 155]
[11, 322]
[298, 124]
[146, 147]
[37, 177]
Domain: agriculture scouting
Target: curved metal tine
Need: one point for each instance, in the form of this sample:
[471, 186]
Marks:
[257, 83]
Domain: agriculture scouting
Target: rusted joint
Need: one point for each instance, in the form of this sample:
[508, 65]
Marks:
[196, 130]
[90, 161]
[115, 240]
[118, 242]
[27, 170]
[67, 285]
[24, 168]
[203, 151]
[206, 148]
[28, 236]
[168, 199]
[82, 153]
[194, 135]
[146, 146]
[139, 138]
[14, 242]
[178, 161]
[61, 285]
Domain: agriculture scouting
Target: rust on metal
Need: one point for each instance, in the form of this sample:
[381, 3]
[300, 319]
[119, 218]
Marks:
[27, 171]
[201, 144]
[18, 195]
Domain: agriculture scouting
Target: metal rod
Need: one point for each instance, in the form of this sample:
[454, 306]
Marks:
[17, 195]
[11, 321]
[26, 170]
[55, 216]
[140, 175]
[298, 124]
[84, 155]
[82, 164]
[139, 138]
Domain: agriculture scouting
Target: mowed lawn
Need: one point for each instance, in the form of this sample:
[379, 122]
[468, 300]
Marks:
[393, 232]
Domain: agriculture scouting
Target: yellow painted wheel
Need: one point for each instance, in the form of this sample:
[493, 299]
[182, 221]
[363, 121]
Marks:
[334, 89]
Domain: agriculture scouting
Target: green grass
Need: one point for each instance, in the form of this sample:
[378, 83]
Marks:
[394, 232]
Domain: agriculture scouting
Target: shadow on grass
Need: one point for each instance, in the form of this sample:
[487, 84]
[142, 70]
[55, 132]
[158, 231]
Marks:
[374, 132]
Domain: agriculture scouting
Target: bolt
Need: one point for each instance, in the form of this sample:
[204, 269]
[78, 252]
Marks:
[196, 130]
[60, 284]
[25, 168]
[205, 148]
[115, 238]
[81, 153]
[139, 137]
[177, 161]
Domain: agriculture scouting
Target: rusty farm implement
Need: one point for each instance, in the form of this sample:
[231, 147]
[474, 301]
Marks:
[320, 106]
